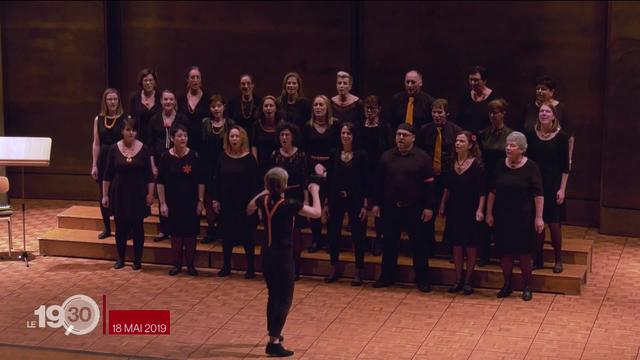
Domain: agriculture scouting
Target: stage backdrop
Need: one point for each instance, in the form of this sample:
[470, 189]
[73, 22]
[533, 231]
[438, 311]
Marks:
[59, 57]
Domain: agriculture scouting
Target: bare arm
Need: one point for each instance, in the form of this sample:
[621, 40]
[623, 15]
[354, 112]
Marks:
[251, 206]
[254, 152]
[572, 141]
[443, 202]
[491, 198]
[314, 211]
[539, 223]
[105, 193]
[95, 149]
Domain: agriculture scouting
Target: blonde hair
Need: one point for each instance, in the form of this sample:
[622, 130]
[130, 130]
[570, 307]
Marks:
[103, 107]
[327, 104]
[244, 139]
[275, 181]
[344, 74]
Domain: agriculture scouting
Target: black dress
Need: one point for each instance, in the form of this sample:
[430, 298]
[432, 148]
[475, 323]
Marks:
[296, 167]
[244, 113]
[474, 116]
[465, 189]
[297, 113]
[194, 118]
[129, 178]
[266, 141]
[212, 145]
[143, 114]
[181, 177]
[530, 116]
[158, 136]
[514, 209]
[493, 143]
[552, 156]
[352, 113]
[107, 136]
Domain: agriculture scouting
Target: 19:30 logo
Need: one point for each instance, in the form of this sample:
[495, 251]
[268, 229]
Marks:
[78, 314]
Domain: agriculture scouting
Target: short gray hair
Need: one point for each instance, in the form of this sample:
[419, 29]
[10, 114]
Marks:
[275, 180]
[518, 138]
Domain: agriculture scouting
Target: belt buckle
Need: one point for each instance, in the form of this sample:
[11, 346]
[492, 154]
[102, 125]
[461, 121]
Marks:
[399, 204]
[343, 194]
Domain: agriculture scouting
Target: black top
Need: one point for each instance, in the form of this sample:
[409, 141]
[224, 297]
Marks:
[129, 178]
[266, 142]
[474, 116]
[159, 137]
[280, 223]
[400, 179]
[142, 114]
[212, 145]
[297, 113]
[297, 168]
[353, 112]
[421, 109]
[426, 140]
[375, 141]
[235, 183]
[243, 113]
[552, 157]
[530, 116]
[107, 136]
[317, 144]
[493, 143]
[348, 176]
[181, 177]
[195, 117]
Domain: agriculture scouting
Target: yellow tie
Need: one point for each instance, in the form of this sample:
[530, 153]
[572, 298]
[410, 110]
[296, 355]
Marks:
[409, 117]
[437, 153]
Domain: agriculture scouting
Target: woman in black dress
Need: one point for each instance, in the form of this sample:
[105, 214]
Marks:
[278, 213]
[463, 205]
[194, 105]
[472, 112]
[376, 137]
[264, 138]
[347, 184]
[492, 141]
[244, 108]
[294, 160]
[295, 107]
[549, 148]
[159, 142]
[214, 130]
[320, 136]
[107, 130]
[235, 184]
[145, 103]
[181, 194]
[346, 106]
[514, 207]
[127, 189]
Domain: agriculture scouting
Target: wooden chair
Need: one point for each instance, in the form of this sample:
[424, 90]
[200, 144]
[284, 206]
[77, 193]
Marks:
[5, 208]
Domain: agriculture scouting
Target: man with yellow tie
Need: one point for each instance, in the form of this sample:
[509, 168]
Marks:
[438, 139]
[412, 106]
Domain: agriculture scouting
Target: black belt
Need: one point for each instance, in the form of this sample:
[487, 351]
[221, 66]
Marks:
[403, 204]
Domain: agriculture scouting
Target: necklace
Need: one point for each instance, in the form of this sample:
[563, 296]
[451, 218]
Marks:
[128, 152]
[516, 164]
[251, 106]
[346, 156]
[168, 120]
[148, 100]
[106, 122]
[217, 129]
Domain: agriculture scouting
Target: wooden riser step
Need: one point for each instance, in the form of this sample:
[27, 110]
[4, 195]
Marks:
[84, 243]
[575, 251]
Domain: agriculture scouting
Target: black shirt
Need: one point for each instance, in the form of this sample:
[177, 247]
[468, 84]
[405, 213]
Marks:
[426, 140]
[297, 113]
[350, 176]
[158, 136]
[353, 113]
[400, 179]
[142, 114]
[474, 115]
[280, 223]
[244, 113]
[421, 109]
[194, 117]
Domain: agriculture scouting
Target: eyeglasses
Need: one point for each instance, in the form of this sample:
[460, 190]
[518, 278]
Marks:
[371, 108]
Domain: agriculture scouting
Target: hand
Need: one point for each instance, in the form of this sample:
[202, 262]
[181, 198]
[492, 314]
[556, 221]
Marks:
[489, 219]
[216, 206]
[363, 214]
[479, 216]
[375, 210]
[320, 170]
[441, 212]
[325, 211]
[149, 199]
[154, 171]
[164, 210]
[105, 201]
[313, 187]
[427, 215]
[560, 197]
[94, 172]
[539, 225]
[199, 208]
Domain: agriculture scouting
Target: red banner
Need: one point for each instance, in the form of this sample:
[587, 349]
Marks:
[139, 322]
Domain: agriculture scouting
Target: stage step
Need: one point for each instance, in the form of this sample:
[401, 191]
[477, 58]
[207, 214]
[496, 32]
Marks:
[575, 250]
[85, 244]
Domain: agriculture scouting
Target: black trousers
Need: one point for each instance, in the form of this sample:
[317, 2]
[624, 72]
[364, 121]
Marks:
[105, 212]
[336, 213]
[316, 224]
[428, 229]
[396, 219]
[181, 245]
[245, 236]
[279, 274]
[135, 227]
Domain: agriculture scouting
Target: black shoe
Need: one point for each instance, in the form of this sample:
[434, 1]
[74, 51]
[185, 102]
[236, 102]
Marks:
[357, 279]
[297, 277]
[119, 264]
[137, 266]
[103, 235]
[333, 275]
[376, 251]
[382, 283]
[455, 288]
[482, 262]
[209, 238]
[526, 294]
[250, 274]
[424, 286]
[161, 236]
[192, 271]
[313, 248]
[175, 271]
[504, 292]
[224, 272]
[277, 350]
[558, 268]
[467, 290]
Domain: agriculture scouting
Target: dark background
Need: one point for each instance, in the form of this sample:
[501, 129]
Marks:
[58, 57]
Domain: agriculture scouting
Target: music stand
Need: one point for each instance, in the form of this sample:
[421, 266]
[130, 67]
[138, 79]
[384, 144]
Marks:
[24, 151]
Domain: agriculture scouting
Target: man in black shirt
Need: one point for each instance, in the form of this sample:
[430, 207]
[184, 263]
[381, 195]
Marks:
[413, 105]
[404, 197]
